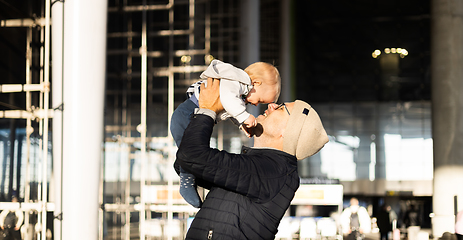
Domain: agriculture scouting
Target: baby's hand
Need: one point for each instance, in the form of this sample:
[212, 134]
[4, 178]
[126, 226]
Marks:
[248, 124]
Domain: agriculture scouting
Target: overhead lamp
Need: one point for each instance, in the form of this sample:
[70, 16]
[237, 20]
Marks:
[401, 51]
[185, 59]
[376, 53]
[208, 59]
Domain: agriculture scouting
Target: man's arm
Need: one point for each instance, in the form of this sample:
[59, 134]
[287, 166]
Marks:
[3, 216]
[364, 219]
[245, 174]
[255, 176]
[20, 216]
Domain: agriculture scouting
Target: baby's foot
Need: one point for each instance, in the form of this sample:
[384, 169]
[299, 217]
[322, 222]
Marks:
[188, 190]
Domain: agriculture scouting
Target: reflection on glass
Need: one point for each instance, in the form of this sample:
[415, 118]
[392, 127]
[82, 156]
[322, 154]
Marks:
[390, 141]
[408, 158]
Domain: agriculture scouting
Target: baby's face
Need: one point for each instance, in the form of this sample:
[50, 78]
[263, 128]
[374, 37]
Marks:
[261, 94]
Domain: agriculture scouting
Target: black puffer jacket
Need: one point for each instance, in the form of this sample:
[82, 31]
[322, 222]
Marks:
[250, 191]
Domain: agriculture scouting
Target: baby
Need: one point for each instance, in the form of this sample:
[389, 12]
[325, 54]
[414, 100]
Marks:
[259, 83]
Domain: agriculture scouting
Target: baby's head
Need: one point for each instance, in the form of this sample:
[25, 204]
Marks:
[266, 82]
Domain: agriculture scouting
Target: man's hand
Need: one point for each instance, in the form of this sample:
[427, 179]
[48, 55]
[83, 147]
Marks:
[209, 97]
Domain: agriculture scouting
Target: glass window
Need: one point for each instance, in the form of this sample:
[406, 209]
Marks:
[371, 141]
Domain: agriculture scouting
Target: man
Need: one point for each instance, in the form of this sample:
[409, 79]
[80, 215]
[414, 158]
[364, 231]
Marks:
[413, 221]
[385, 219]
[355, 220]
[249, 192]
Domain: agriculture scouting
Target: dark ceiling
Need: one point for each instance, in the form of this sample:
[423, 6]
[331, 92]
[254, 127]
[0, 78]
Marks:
[335, 41]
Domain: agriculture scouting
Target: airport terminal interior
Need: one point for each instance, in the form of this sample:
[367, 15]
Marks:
[363, 65]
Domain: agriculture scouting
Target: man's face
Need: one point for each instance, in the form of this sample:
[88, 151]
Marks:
[354, 202]
[273, 121]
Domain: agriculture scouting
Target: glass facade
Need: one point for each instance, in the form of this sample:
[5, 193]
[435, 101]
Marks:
[371, 141]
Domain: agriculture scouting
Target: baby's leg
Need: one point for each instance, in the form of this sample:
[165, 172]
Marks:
[180, 120]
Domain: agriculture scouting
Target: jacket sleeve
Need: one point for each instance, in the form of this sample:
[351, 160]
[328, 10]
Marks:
[365, 221]
[3, 215]
[345, 220]
[20, 216]
[254, 176]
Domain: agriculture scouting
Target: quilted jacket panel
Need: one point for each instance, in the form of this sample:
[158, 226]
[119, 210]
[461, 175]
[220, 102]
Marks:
[249, 192]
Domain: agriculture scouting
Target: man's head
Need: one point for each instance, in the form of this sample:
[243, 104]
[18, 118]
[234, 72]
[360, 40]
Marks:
[266, 82]
[354, 204]
[294, 128]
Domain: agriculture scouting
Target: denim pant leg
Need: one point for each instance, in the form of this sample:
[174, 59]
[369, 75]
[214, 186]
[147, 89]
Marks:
[180, 119]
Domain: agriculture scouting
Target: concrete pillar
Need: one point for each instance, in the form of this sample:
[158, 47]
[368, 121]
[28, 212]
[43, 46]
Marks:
[287, 62]
[362, 158]
[250, 32]
[447, 114]
[83, 99]
[380, 167]
[390, 70]
[57, 99]
[250, 41]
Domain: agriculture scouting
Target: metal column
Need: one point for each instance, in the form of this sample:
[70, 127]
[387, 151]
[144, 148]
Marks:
[142, 126]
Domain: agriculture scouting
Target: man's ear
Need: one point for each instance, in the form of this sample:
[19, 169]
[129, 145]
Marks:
[257, 82]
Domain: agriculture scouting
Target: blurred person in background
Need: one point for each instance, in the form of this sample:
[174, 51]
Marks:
[385, 219]
[412, 221]
[355, 221]
[11, 221]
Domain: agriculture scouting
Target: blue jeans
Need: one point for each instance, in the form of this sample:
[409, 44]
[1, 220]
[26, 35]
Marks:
[180, 120]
